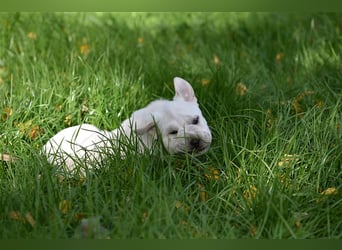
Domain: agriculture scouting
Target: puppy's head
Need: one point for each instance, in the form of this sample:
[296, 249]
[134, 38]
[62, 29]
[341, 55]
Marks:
[180, 122]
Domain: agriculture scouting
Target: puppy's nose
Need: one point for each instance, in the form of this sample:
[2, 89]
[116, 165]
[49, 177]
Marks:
[195, 142]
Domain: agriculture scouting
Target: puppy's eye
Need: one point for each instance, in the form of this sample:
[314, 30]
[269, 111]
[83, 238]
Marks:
[195, 120]
[173, 132]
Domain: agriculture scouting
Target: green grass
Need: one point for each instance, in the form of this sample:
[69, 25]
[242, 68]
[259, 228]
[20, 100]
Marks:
[276, 148]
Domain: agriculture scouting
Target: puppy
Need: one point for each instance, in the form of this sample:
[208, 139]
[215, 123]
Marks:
[179, 122]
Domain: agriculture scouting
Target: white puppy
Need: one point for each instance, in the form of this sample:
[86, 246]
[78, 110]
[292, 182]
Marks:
[179, 122]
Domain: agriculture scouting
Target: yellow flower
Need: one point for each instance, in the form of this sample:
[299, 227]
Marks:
[35, 131]
[84, 49]
[30, 130]
[241, 89]
[6, 113]
[30, 219]
[144, 216]
[181, 206]
[64, 206]
[216, 60]
[297, 101]
[287, 159]
[319, 104]
[78, 216]
[214, 173]
[279, 56]
[140, 40]
[329, 191]
[250, 193]
[16, 215]
[204, 196]
[205, 82]
[32, 35]
[253, 230]
[178, 204]
[67, 120]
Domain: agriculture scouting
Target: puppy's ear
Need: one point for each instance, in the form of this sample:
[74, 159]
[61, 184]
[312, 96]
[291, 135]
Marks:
[144, 121]
[184, 91]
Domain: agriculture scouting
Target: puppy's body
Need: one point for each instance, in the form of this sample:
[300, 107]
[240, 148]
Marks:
[180, 123]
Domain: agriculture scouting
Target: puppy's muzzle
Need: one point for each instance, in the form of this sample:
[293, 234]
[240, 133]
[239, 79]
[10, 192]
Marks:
[196, 146]
[196, 142]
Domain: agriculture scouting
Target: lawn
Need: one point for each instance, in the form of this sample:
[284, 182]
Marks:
[269, 85]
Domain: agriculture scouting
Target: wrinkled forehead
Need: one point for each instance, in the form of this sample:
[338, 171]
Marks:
[180, 113]
[184, 109]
